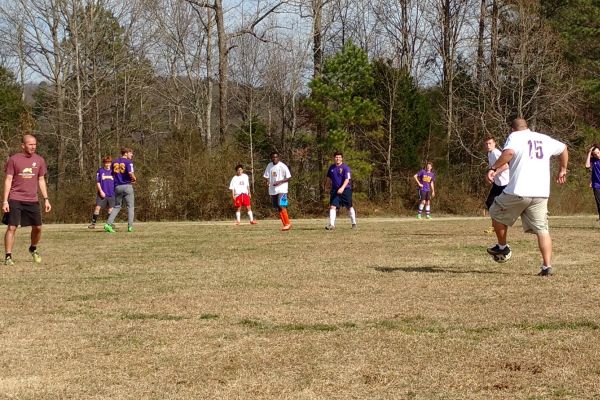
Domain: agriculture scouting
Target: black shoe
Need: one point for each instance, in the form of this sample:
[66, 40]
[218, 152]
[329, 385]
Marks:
[500, 256]
[545, 272]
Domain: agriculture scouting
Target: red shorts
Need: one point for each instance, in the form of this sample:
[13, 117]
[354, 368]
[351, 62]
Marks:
[243, 200]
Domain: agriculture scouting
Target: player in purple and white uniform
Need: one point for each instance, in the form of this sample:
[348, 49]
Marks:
[123, 173]
[341, 190]
[593, 162]
[105, 190]
[425, 179]
[526, 195]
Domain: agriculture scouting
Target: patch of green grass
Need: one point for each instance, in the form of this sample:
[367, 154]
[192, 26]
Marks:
[150, 316]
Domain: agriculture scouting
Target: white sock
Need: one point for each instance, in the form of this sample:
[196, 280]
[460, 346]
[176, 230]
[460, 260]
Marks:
[238, 215]
[544, 267]
[250, 215]
[352, 215]
[502, 246]
[332, 215]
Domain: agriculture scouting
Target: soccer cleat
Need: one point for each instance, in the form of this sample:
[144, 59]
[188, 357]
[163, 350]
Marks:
[287, 227]
[9, 261]
[353, 226]
[108, 228]
[500, 256]
[419, 216]
[545, 272]
[130, 229]
[428, 217]
[36, 256]
[253, 222]
[329, 227]
[92, 226]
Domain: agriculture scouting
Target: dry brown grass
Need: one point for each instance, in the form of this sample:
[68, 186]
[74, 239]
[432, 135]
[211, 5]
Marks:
[398, 309]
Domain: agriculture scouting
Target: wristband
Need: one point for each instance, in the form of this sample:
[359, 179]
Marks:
[493, 169]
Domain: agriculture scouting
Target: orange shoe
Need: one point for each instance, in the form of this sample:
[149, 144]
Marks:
[287, 227]
[253, 222]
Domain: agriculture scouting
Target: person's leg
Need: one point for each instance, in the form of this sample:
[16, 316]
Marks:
[130, 199]
[421, 207]
[332, 215]
[501, 232]
[545, 245]
[95, 215]
[9, 238]
[238, 215]
[597, 197]
[428, 208]
[352, 215]
[36, 235]
[119, 195]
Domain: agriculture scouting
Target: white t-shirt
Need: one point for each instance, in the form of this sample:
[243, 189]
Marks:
[500, 179]
[530, 166]
[276, 173]
[239, 184]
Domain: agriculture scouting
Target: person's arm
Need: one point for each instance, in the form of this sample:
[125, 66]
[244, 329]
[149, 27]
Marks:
[282, 181]
[588, 163]
[432, 189]
[7, 185]
[343, 187]
[44, 190]
[504, 158]
[233, 194]
[563, 160]
[417, 179]
[100, 191]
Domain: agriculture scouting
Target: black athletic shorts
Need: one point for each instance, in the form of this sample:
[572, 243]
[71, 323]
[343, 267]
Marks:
[23, 213]
[341, 200]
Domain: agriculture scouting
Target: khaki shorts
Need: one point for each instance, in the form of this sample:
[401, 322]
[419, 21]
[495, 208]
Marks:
[507, 208]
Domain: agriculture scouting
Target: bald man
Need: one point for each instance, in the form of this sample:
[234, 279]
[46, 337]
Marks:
[526, 195]
[24, 173]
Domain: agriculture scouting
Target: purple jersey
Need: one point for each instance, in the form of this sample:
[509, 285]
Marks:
[595, 167]
[107, 183]
[121, 168]
[426, 179]
[338, 174]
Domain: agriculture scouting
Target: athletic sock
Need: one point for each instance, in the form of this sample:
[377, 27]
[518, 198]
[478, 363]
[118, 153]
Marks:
[281, 217]
[94, 218]
[545, 267]
[428, 210]
[250, 215]
[8, 255]
[421, 208]
[32, 248]
[352, 215]
[502, 246]
[332, 215]
[238, 216]
[286, 218]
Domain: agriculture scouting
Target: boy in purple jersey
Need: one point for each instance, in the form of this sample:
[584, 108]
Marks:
[341, 190]
[593, 162]
[425, 179]
[105, 190]
[124, 176]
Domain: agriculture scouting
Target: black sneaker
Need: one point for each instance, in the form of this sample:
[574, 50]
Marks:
[329, 227]
[545, 272]
[500, 256]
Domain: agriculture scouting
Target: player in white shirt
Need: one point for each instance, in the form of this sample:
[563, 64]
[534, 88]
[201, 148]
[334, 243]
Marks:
[240, 193]
[500, 176]
[277, 176]
[526, 195]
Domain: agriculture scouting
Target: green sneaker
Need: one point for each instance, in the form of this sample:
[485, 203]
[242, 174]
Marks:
[130, 229]
[428, 217]
[108, 228]
[36, 256]
[9, 261]
[419, 216]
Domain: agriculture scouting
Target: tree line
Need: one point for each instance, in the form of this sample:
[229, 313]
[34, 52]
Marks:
[198, 86]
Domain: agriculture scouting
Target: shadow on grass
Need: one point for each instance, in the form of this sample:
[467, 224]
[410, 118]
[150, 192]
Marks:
[434, 270]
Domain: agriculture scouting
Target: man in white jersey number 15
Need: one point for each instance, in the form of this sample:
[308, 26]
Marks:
[526, 195]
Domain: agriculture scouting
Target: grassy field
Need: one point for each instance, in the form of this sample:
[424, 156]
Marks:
[397, 309]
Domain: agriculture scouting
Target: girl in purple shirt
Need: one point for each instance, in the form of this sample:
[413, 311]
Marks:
[593, 162]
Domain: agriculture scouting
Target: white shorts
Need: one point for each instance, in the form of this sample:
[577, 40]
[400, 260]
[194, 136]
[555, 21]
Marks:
[507, 208]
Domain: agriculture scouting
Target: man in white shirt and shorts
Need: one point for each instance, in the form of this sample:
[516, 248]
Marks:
[526, 195]
[240, 193]
[277, 176]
